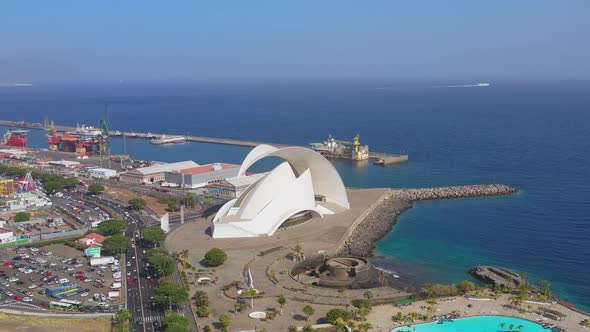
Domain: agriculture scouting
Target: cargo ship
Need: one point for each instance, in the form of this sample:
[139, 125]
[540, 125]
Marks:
[16, 138]
[168, 140]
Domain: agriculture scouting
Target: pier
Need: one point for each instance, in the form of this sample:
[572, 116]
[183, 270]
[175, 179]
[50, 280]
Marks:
[379, 158]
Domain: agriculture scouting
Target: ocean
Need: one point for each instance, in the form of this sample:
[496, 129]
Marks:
[530, 134]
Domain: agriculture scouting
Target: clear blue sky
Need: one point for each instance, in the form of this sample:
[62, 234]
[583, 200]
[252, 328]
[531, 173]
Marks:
[106, 40]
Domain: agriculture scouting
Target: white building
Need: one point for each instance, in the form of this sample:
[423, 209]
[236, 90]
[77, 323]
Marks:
[64, 163]
[155, 173]
[102, 173]
[305, 182]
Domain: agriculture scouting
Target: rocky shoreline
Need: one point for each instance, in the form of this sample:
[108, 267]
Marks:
[381, 219]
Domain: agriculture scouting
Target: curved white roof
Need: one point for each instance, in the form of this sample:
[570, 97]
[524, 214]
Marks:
[305, 181]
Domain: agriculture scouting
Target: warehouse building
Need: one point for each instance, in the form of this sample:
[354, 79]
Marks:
[153, 174]
[201, 176]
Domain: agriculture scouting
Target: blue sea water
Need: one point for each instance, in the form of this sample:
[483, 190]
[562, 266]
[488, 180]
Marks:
[533, 135]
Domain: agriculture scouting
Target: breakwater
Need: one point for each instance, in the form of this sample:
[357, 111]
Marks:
[380, 220]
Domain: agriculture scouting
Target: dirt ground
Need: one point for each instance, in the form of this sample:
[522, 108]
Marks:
[125, 195]
[36, 324]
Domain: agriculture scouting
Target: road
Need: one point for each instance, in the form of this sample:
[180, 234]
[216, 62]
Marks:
[140, 292]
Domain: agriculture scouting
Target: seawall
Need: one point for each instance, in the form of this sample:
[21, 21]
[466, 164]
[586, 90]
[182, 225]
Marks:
[380, 220]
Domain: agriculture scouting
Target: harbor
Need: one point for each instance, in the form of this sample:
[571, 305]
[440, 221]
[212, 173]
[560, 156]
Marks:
[378, 158]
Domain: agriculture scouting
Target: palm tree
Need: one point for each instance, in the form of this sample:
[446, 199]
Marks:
[298, 251]
[368, 295]
[184, 254]
[520, 327]
[251, 293]
[502, 325]
[282, 300]
[511, 327]
[546, 286]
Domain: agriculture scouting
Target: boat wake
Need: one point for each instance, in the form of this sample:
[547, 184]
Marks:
[477, 85]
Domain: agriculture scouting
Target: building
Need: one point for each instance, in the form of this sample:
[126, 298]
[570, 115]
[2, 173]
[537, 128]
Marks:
[305, 183]
[64, 164]
[92, 239]
[201, 176]
[233, 187]
[102, 173]
[7, 237]
[153, 174]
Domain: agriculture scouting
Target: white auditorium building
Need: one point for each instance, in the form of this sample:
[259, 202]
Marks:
[305, 182]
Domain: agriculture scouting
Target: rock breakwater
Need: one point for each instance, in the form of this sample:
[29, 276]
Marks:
[381, 219]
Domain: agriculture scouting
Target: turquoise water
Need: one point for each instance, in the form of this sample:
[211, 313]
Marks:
[476, 324]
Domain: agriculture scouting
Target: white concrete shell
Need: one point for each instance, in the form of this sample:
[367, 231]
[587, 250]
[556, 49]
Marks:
[304, 182]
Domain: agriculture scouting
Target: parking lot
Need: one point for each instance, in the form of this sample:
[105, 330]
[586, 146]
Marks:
[26, 273]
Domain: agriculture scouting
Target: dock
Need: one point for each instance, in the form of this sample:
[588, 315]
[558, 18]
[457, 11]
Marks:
[379, 158]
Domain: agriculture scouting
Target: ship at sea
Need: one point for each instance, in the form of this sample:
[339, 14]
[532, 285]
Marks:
[16, 138]
[483, 84]
[168, 140]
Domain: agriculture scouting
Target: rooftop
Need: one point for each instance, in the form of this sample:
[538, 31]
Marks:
[167, 167]
[245, 180]
[96, 237]
[4, 230]
[206, 168]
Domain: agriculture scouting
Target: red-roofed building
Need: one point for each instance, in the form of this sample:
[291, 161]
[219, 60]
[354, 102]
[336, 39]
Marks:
[200, 176]
[92, 240]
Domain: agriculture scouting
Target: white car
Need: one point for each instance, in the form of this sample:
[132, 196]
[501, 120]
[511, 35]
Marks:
[28, 299]
[84, 294]
[33, 286]
[12, 279]
[9, 294]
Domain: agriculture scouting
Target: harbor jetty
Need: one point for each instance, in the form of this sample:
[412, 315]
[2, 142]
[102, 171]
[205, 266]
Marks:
[379, 221]
[380, 158]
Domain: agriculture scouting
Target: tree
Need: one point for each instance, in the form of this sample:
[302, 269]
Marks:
[207, 328]
[307, 328]
[123, 316]
[466, 286]
[215, 257]
[51, 187]
[111, 227]
[71, 183]
[203, 311]
[189, 201]
[292, 328]
[164, 264]
[365, 326]
[298, 251]
[308, 311]
[117, 244]
[172, 205]
[174, 322]
[95, 189]
[545, 286]
[251, 293]
[282, 300]
[137, 203]
[22, 216]
[201, 298]
[153, 234]
[225, 320]
[334, 314]
[171, 294]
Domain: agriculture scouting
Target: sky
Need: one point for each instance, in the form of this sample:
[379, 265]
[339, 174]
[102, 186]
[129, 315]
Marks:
[113, 40]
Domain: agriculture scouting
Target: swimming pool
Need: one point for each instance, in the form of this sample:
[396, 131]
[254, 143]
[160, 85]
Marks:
[476, 324]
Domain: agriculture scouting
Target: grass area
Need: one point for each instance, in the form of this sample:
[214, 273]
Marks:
[27, 323]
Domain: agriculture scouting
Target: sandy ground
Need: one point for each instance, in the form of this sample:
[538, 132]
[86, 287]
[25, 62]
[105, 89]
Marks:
[34, 324]
[125, 195]
[381, 316]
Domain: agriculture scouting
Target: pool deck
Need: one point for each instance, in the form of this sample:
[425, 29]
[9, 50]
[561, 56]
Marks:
[381, 315]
